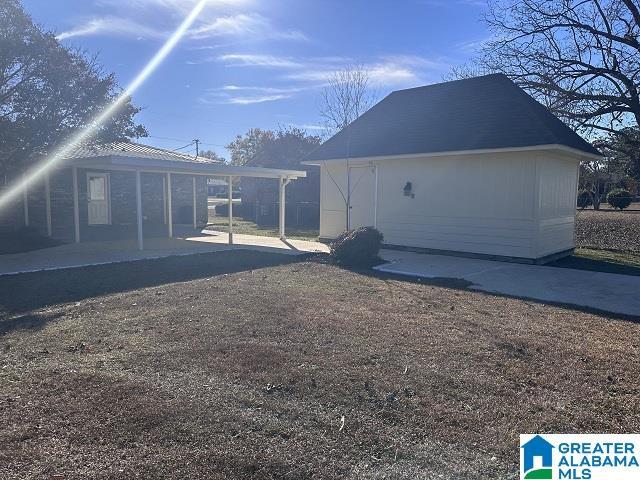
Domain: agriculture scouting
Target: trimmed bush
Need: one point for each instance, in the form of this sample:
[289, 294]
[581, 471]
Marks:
[584, 199]
[619, 198]
[357, 248]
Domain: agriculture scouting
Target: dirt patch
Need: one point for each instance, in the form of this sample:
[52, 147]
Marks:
[299, 370]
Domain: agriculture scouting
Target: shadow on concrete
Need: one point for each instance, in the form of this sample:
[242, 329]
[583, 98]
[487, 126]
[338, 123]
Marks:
[28, 291]
[289, 244]
[464, 285]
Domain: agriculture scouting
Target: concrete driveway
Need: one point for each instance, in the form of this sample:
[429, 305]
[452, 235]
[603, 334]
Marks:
[602, 291]
[113, 251]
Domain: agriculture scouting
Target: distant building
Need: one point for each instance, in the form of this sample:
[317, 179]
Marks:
[260, 199]
[216, 187]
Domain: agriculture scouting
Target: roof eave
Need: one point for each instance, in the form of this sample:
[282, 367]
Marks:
[143, 164]
[559, 147]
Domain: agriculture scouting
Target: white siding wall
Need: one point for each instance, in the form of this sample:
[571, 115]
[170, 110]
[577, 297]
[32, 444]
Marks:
[333, 185]
[557, 187]
[479, 204]
[518, 204]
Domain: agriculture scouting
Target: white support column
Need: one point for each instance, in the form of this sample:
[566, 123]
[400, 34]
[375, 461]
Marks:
[230, 188]
[25, 200]
[282, 183]
[195, 217]
[164, 199]
[47, 204]
[139, 210]
[169, 213]
[76, 207]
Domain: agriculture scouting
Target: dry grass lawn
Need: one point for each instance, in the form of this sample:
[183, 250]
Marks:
[609, 230]
[292, 371]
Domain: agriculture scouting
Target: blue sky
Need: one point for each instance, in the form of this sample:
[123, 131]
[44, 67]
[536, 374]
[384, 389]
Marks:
[261, 63]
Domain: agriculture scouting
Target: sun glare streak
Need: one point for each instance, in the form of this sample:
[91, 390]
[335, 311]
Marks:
[42, 167]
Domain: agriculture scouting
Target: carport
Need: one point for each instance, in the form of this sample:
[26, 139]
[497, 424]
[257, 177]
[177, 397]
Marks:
[137, 160]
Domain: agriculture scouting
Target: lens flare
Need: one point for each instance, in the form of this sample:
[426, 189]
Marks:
[48, 163]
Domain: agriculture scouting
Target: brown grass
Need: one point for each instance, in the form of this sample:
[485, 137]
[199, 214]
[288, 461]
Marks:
[608, 229]
[248, 374]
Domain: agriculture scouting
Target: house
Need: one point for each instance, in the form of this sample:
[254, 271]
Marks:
[472, 167]
[109, 191]
[540, 448]
[216, 187]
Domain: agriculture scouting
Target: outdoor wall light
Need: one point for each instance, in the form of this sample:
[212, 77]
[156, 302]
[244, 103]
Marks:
[408, 190]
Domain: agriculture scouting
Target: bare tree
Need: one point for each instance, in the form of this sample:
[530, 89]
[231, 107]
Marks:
[348, 95]
[581, 58]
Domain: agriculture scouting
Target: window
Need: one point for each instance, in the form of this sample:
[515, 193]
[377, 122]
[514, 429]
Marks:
[97, 188]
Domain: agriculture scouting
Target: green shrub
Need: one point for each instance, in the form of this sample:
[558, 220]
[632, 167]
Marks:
[357, 248]
[584, 199]
[619, 198]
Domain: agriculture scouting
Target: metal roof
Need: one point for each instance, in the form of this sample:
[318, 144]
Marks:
[135, 156]
[130, 149]
[482, 113]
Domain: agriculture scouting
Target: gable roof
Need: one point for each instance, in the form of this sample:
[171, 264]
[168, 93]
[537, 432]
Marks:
[480, 113]
[130, 149]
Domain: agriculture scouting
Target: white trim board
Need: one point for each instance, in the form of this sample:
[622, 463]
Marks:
[408, 156]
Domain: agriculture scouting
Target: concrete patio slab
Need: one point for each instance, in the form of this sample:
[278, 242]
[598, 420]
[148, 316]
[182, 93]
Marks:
[97, 253]
[602, 291]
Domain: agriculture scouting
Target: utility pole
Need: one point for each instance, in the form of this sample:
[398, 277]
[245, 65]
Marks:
[197, 142]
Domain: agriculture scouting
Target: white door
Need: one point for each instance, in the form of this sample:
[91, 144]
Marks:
[362, 184]
[98, 195]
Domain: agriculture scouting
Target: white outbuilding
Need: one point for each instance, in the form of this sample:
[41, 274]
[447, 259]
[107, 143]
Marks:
[471, 167]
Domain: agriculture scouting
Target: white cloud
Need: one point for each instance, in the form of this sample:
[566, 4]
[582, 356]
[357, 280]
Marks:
[381, 74]
[253, 25]
[298, 75]
[246, 95]
[388, 70]
[111, 26]
[236, 88]
[308, 126]
[177, 6]
[255, 99]
[258, 60]
[221, 18]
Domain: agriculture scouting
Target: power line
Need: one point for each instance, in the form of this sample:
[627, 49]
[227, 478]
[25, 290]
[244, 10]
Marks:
[181, 148]
[185, 140]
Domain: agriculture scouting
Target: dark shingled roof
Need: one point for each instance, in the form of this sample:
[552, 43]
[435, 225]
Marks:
[478, 113]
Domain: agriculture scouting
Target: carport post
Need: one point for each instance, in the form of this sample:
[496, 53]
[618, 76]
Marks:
[139, 210]
[195, 218]
[230, 188]
[76, 208]
[282, 183]
[169, 212]
[47, 205]
[25, 200]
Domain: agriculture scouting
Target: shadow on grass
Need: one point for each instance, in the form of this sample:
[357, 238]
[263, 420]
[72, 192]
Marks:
[595, 265]
[26, 322]
[29, 291]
